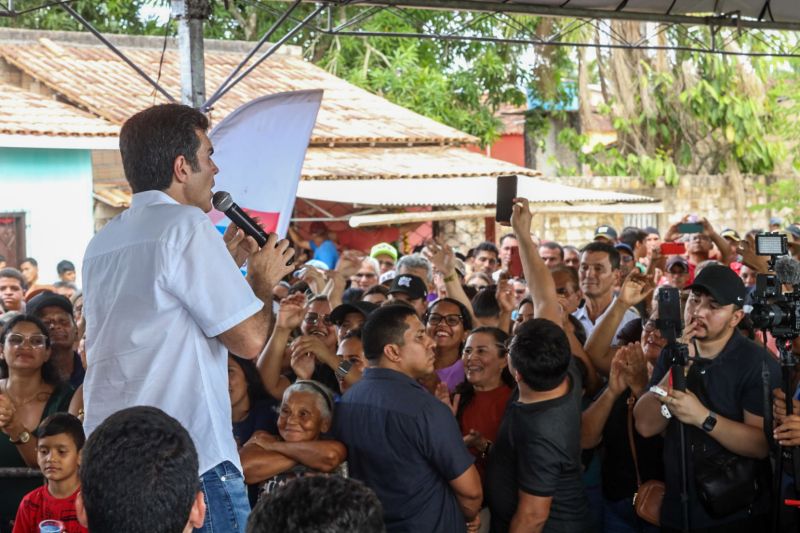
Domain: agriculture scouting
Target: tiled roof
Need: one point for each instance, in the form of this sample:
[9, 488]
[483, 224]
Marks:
[25, 113]
[91, 75]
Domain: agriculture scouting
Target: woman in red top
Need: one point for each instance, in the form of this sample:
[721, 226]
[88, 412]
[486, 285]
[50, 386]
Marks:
[481, 398]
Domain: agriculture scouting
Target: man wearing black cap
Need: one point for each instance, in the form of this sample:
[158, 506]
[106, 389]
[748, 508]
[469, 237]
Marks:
[348, 317]
[410, 289]
[722, 409]
[55, 311]
[605, 234]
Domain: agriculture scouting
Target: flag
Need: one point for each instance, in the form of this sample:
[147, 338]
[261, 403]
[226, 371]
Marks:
[259, 149]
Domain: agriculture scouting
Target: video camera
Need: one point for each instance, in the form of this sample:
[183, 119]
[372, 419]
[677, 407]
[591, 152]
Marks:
[773, 309]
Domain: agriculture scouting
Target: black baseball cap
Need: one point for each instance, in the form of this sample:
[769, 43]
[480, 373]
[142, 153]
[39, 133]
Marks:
[341, 311]
[722, 284]
[409, 284]
[48, 299]
[605, 232]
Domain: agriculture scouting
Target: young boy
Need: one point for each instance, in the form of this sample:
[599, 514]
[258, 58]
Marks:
[58, 454]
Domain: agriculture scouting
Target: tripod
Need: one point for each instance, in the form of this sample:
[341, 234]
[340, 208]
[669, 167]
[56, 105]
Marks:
[788, 362]
[678, 355]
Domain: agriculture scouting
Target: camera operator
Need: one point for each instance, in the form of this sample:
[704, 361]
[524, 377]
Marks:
[725, 371]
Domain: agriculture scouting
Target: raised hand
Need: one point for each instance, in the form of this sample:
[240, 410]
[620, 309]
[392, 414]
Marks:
[291, 311]
[441, 256]
[521, 217]
[635, 288]
[349, 262]
[313, 345]
[616, 376]
[303, 364]
[314, 278]
[505, 295]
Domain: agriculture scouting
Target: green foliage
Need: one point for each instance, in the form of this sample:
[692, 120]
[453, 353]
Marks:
[121, 16]
[785, 196]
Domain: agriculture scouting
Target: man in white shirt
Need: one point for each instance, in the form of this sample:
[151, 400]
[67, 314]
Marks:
[165, 301]
[599, 273]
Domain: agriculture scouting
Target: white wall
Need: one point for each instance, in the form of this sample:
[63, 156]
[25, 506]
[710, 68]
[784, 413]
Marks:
[54, 190]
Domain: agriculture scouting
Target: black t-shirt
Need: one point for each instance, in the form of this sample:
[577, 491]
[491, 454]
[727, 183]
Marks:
[538, 451]
[733, 385]
[619, 471]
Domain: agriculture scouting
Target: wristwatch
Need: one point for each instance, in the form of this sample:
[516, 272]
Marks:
[709, 422]
[22, 438]
[343, 369]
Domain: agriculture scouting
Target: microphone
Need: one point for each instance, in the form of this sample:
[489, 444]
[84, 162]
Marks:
[788, 271]
[222, 201]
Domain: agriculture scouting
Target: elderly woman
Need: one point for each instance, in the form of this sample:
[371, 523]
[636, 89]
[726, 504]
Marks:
[29, 392]
[306, 412]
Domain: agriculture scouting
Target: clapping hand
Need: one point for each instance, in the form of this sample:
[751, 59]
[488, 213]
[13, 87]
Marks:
[291, 311]
[635, 288]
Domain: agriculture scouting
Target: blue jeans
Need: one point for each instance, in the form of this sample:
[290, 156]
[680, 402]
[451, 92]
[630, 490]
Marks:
[620, 517]
[225, 494]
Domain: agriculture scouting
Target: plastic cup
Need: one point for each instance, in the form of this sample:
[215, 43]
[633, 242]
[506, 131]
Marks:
[51, 526]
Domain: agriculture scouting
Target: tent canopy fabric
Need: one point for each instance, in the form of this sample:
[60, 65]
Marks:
[776, 14]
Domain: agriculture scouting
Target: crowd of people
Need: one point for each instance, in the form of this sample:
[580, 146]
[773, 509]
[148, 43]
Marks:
[374, 391]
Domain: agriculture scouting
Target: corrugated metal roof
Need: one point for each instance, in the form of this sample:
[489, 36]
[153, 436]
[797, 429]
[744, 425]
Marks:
[450, 192]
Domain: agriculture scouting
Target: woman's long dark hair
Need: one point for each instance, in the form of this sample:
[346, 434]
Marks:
[255, 387]
[48, 370]
[465, 388]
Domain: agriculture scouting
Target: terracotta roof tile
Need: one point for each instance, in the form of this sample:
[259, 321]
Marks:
[26, 113]
[95, 78]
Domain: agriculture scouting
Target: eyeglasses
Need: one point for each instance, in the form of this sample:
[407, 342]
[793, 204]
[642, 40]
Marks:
[314, 318]
[17, 339]
[434, 319]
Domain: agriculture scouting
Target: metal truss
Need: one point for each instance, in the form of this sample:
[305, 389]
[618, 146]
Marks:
[723, 30]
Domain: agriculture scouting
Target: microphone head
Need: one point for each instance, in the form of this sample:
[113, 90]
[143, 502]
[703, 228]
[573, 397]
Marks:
[222, 201]
[788, 270]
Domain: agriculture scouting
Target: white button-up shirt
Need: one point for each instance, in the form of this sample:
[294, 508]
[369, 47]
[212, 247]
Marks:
[582, 314]
[159, 286]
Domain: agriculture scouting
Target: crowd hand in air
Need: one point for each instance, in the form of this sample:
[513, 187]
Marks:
[349, 263]
[291, 311]
[505, 295]
[441, 256]
[314, 277]
[747, 249]
[635, 288]
[313, 346]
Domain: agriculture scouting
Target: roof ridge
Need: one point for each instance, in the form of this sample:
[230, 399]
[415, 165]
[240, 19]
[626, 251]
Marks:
[83, 38]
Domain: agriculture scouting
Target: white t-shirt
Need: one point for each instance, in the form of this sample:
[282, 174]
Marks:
[583, 315]
[159, 286]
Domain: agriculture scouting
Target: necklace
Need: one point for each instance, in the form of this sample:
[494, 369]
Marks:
[17, 403]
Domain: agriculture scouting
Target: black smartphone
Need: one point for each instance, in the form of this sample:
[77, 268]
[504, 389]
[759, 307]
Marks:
[690, 228]
[506, 192]
[669, 321]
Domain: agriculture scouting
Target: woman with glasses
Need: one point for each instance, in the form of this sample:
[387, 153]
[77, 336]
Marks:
[30, 391]
[447, 323]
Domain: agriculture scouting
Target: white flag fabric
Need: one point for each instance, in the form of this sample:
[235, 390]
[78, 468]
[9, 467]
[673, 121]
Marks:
[259, 149]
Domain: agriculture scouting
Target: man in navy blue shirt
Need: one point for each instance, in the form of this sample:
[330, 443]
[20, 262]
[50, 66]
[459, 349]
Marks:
[402, 441]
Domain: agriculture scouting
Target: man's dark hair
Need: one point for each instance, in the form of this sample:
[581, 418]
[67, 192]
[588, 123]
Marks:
[49, 372]
[30, 260]
[385, 325]
[14, 273]
[312, 504]
[62, 423]
[139, 473]
[485, 304]
[597, 246]
[540, 353]
[151, 139]
[65, 266]
[554, 246]
[487, 246]
[376, 289]
[507, 236]
[631, 236]
[570, 272]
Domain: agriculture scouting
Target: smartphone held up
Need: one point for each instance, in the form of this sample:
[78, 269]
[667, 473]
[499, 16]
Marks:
[506, 192]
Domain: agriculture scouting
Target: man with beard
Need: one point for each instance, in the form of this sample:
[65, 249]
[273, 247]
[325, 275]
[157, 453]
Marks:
[722, 409]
